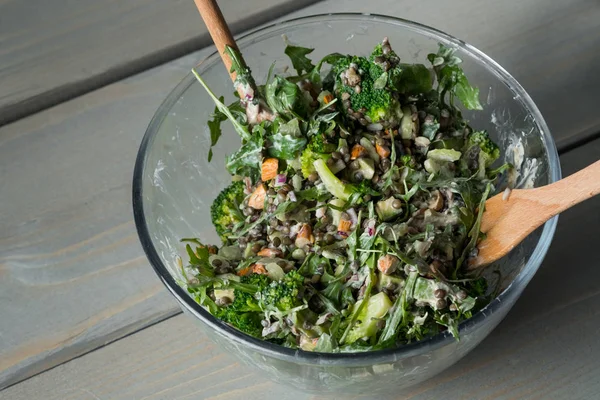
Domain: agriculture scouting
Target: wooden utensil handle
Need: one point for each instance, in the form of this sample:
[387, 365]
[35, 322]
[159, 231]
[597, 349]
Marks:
[571, 190]
[218, 29]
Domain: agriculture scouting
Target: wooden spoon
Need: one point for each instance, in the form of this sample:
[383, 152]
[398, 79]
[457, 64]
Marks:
[507, 220]
[218, 29]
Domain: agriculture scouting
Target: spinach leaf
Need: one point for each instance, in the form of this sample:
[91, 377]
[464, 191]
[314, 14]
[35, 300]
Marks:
[298, 58]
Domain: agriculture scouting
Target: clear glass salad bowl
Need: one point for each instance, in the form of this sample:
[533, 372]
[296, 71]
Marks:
[174, 185]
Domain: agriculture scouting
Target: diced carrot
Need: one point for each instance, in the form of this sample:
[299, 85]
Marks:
[245, 271]
[344, 225]
[383, 151]
[259, 269]
[269, 169]
[357, 151]
[387, 264]
[268, 252]
[257, 198]
[304, 237]
[327, 98]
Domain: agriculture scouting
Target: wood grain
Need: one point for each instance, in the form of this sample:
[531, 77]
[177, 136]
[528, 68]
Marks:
[546, 348]
[52, 51]
[73, 274]
[510, 217]
[218, 29]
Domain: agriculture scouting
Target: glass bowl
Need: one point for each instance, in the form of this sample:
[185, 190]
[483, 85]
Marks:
[174, 185]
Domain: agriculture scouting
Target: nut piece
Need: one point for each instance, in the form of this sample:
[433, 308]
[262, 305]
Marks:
[357, 151]
[387, 264]
[436, 202]
[257, 198]
[344, 225]
[259, 269]
[269, 169]
[383, 151]
[304, 237]
[268, 252]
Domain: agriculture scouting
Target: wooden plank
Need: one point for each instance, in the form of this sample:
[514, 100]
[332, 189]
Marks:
[545, 348]
[73, 274]
[52, 51]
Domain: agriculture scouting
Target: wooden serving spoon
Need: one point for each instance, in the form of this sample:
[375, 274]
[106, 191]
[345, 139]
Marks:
[507, 220]
[218, 29]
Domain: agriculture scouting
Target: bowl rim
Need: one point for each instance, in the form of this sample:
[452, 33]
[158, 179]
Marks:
[355, 358]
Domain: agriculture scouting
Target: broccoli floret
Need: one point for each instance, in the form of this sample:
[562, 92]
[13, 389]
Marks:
[247, 322]
[319, 144]
[480, 152]
[332, 183]
[225, 211]
[373, 96]
[490, 151]
[366, 325]
[245, 312]
[317, 148]
[307, 160]
[285, 294]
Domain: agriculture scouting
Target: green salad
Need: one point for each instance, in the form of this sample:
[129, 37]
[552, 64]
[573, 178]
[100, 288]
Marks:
[355, 203]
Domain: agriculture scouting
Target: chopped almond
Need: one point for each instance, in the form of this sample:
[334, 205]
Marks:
[257, 198]
[387, 264]
[269, 169]
[304, 237]
[245, 271]
[383, 151]
[259, 269]
[357, 151]
[268, 252]
[344, 225]
[327, 98]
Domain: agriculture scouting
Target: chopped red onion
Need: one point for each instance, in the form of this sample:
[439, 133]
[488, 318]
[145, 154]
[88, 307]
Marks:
[343, 234]
[280, 180]
[292, 196]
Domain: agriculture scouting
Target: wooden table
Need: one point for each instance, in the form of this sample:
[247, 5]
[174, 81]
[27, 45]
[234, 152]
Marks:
[82, 314]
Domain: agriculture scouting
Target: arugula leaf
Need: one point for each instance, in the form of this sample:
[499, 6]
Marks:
[287, 142]
[242, 130]
[413, 79]
[238, 65]
[475, 230]
[214, 126]
[217, 117]
[247, 160]
[286, 99]
[298, 58]
[452, 79]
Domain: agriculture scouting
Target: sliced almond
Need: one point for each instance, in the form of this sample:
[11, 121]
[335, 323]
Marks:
[357, 151]
[304, 237]
[387, 264]
[257, 198]
[269, 169]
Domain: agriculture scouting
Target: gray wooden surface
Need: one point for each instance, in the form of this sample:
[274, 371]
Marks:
[73, 274]
[546, 348]
[51, 51]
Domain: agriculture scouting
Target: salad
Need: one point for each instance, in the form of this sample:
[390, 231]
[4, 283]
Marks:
[355, 202]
